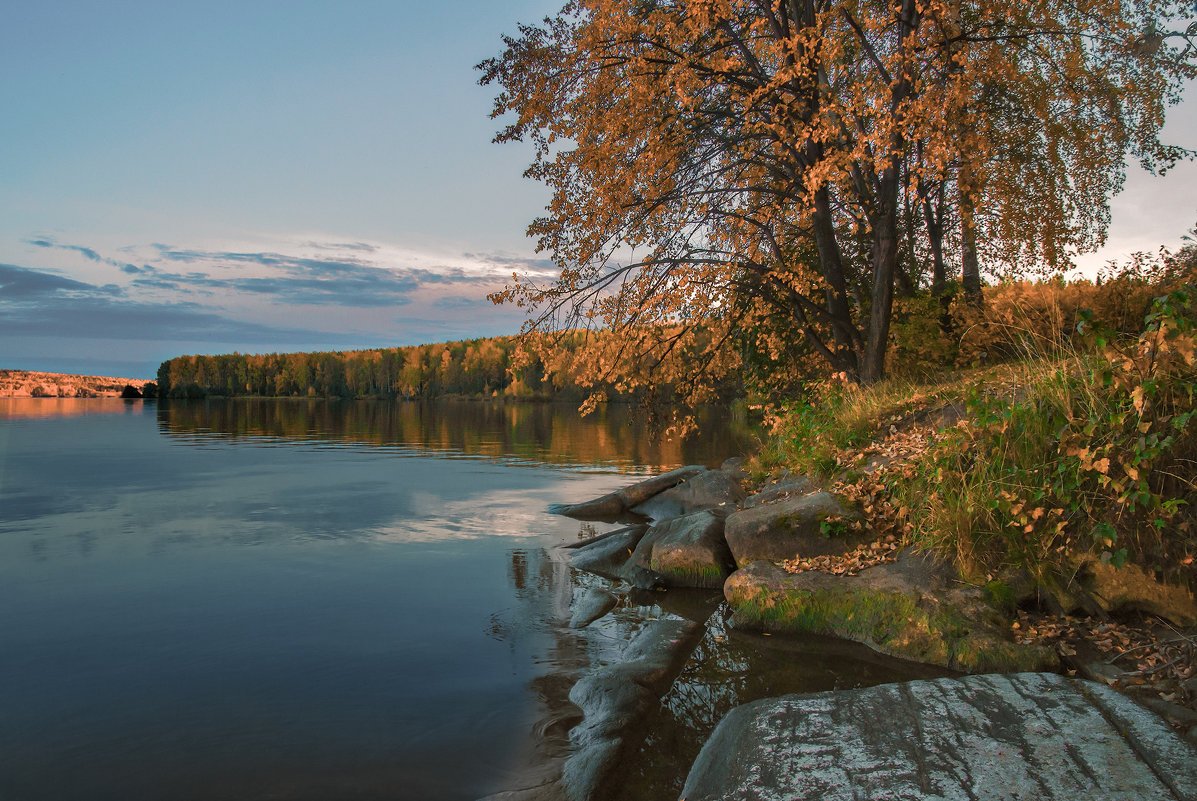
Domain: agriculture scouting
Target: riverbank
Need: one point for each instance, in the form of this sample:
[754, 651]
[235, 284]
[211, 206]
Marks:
[36, 384]
[837, 553]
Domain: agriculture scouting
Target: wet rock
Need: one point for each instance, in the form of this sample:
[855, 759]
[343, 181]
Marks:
[607, 554]
[786, 528]
[1175, 714]
[913, 609]
[708, 490]
[615, 699]
[615, 504]
[686, 551]
[1026, 736]
[590, 606]
[640, 492]
[1131, 588]
[788, 487]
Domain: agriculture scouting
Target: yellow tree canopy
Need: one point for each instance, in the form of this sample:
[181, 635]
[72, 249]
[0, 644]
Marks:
[734, 172]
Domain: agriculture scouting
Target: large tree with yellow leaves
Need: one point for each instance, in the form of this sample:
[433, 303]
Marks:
[735, 170]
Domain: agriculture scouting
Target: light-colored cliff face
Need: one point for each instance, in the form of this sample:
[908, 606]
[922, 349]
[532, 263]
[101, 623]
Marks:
[29, 384]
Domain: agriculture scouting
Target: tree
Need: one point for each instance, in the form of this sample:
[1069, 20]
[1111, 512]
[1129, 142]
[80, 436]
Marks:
[718, 165]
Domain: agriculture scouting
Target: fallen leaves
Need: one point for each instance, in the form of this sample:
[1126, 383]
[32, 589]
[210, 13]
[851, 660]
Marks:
[1144, 657]
[863, 556]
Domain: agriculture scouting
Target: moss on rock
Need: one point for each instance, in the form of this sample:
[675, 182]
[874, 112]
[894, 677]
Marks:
[887, 612]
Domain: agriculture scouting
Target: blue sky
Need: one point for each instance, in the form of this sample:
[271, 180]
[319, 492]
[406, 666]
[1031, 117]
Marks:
[258, 176]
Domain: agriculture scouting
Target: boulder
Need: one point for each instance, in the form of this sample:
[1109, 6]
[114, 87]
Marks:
[615, 504]
[607, 554]
[614, 699]
[787, 487]
[686, 551]
[708, 490]
[736, 467]
[913, 609]
[1025, 736]
[787, 528]
[1131, 588]
[590, 606]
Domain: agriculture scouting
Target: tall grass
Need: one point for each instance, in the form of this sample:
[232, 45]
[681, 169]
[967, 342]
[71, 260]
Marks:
[1082, 446]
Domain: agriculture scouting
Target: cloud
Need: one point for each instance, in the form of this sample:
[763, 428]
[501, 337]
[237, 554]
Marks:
[21, 283]
[458, 303]
[509, 262]
[35, 303]
[89, 253]
[301, 280]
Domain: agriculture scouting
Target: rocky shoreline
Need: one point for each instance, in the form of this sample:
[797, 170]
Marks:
[698, 527]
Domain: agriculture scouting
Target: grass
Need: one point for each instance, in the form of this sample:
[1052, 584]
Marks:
[1076, 449]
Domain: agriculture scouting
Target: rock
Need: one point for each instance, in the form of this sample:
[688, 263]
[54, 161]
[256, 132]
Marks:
[790, 486]
[606, 555]
[608, 507]
[912, 609]
[708, 490]
[642, 491]
[785, 529]
[1173, 713]
[683, 552]
[1096, 670]
[615, 504]
[1024, 736]
[590, 606]
[735, 467]
[1131, 588]
[615, 698]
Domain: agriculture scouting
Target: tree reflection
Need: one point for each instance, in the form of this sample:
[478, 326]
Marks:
[543, 433]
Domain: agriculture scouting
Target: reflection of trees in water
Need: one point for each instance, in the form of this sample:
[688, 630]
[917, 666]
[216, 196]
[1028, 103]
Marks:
[551, 433]
[730, 668]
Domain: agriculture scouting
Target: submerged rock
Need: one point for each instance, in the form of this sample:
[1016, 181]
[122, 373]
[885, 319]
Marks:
[590, 606]
[1027, 736]
[912, 609]
[614, 699]
[686, 551]
[615, 504]
[708, 490]
[788, 528]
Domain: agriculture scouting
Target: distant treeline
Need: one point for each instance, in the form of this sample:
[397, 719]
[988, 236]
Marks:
[475, 368]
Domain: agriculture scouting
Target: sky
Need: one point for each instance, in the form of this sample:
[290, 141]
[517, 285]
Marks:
[270, 176]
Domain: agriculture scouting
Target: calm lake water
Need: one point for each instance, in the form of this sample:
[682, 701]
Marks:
[295, 599]
[273, 599]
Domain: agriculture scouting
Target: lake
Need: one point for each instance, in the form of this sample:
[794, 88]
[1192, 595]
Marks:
[304, 599]
[289, 599]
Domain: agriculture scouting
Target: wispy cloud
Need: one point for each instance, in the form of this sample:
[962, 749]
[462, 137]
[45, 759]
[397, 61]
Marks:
[24, 284]
[37, 303]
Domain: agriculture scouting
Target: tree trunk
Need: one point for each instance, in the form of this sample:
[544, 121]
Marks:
[847, 338]
[935, 239]
[970, 272]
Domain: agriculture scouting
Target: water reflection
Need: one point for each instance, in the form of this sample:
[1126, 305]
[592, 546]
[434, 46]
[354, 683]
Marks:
[614, 436]
[45, 408]
[730, 668]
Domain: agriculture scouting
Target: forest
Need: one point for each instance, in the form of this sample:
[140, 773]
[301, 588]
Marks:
[491, 367]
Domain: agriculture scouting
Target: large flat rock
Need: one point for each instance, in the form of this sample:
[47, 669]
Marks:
[1029, 736]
